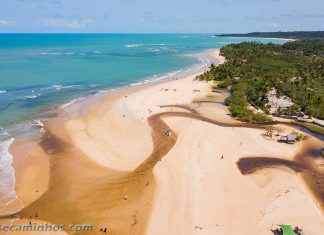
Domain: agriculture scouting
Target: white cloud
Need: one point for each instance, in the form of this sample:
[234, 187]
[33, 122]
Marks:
[61, 23]
[7, 23]
[274, 25]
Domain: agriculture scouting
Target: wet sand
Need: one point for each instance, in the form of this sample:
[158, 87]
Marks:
[137, 184]
[307, 162]
[151, 184]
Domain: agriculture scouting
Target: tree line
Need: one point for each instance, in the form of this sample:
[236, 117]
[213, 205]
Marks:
[294, 69]
[292, 35]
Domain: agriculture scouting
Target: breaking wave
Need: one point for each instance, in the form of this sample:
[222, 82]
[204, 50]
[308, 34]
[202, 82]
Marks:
[7, 175]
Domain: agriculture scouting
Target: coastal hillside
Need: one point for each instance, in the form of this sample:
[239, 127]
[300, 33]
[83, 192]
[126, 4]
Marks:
[290, 35]
[285, 79]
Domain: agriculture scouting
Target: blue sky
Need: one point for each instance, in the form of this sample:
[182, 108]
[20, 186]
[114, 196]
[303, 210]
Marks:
[160, 16]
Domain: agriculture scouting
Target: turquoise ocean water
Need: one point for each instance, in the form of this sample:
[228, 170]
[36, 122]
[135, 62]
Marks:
[39, 71]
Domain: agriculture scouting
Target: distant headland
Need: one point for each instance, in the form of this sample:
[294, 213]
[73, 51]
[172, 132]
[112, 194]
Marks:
[288, 35]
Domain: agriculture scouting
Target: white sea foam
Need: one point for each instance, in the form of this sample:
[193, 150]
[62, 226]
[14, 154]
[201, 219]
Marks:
[39, 124]
[68, 104]
[7, 176]
[148, 44]
[57, 53]
[3, 132]
[110, 90]
[2, 92]
[204, 62]
[64, 106]
[56, 87]
[31, 96]
[161, 44]
[51, 53]
[154, 50]
[97, 52]
[135, 83]
[133, 45]
[59, 87]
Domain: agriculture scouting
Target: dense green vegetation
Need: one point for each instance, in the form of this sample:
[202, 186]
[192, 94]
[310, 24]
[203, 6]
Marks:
[292, 35]
[239, 106]
[306, 47]
[294, 69]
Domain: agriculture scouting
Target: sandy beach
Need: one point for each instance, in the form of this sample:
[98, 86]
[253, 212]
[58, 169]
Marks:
[112, 166]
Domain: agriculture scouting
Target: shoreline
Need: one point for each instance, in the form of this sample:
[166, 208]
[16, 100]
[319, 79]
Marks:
[25, 161]
[79, 106]
[99, 155]
[203, 62]
[141, 84]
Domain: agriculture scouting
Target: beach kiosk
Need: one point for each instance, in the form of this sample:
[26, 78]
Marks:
[291, 139]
